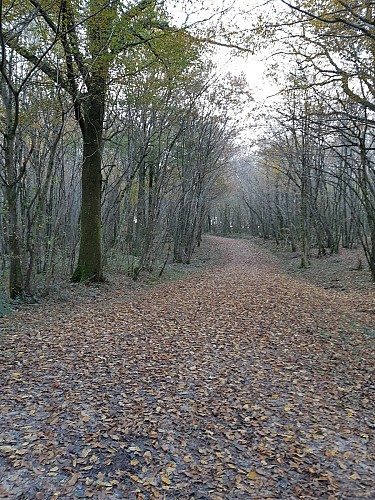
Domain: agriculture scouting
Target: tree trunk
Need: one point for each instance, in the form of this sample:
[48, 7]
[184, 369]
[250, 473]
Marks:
[371, 257]
[15, 267]
[140, 228]
[10, 99]
[304, 218]
[89, 267]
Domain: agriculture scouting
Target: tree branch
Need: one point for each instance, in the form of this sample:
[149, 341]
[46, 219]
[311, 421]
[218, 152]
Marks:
[334, 20]
[46, 68]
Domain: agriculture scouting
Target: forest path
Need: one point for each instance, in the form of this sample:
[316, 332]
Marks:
[235, 382]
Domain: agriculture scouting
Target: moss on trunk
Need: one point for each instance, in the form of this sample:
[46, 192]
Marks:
[89, 267]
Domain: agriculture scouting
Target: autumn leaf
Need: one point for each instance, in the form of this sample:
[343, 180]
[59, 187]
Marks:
[252, 475]
[7, 449]
[73, 479]
[85, 452]
[270, 406]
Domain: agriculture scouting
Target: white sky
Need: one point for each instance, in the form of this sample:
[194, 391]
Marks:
[239, 15]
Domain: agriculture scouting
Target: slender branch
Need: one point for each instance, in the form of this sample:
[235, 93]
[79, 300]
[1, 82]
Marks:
[333, 20]
[45, 16]
[70, 27]
[46, 68]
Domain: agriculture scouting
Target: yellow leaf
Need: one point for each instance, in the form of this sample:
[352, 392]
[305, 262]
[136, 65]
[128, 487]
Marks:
[252, 475]
[94, 458]
[150, 481]
[317, 436]
[23, 451]
[354, 476]
[104, 483]
[135, 478]
[134, 462]
[72, 481]
[6, 449]
[85, 452]
[294, 464]
[330, 453]
[165, 480]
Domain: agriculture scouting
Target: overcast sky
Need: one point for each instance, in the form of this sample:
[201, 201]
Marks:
[238, 15]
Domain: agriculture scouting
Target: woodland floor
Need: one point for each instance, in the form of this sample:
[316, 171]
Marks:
[238, 381]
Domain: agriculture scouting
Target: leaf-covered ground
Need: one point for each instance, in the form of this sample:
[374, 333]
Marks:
[238, 381]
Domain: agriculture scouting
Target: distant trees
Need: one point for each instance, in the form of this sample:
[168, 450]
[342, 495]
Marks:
[310, 183]
[118, 144]
[91, 41]
[83, 49]
[113, 84]
[15, 76]
[336, 47]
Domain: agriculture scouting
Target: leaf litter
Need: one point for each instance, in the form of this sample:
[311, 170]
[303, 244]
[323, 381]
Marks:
[238, 381]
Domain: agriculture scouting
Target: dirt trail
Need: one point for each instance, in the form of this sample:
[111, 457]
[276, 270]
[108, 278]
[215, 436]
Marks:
[236, 382]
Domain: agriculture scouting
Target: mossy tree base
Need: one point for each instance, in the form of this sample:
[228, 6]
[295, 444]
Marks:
[83, 274]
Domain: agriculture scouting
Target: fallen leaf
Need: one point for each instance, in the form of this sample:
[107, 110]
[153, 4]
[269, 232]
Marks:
[73, 479]
[85, 452]
[252, 475]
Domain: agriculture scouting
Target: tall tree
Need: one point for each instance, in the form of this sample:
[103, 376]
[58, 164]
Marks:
[95, 42]
[13, 80]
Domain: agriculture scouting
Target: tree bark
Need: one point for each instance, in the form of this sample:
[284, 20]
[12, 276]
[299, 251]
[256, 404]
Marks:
[89, 267]
[11, 104]
[15, 266]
